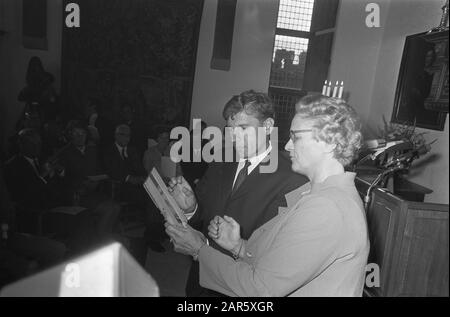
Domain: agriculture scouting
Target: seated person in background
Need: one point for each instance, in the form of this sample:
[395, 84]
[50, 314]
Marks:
[28, 180]
[158, 148]
[318, 245]
[100, 120]
[91, 116]
[53, 138]
[194, 171]
[36, 188]
[152, 159]
[22, 254]
[123, 165]
[80, 162]
[138, 136]
[30, 120]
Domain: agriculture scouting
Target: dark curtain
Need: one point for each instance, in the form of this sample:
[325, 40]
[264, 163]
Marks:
[136, 52]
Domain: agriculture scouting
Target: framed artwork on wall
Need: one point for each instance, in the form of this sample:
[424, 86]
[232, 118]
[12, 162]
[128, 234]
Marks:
[421, 96]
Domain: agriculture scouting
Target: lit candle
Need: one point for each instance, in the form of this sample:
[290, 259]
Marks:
[341, 90]
[335, 89]
[328, 92]
[324, 88]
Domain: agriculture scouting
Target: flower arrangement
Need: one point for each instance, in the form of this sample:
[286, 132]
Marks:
[397, 131]
[393, 162]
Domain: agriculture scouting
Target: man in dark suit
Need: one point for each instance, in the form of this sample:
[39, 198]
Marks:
[123, 165]
[35, 192]
[80, 163]
[138, 137]
[27, 181]
[194, 171]
[19, 252]
[241, 190]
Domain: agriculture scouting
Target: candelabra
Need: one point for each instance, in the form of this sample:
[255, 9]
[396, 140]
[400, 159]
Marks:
[338, 89]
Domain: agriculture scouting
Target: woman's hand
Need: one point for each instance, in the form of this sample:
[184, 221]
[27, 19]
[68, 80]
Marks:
[185, 240]
[183, 194]
[225, 232]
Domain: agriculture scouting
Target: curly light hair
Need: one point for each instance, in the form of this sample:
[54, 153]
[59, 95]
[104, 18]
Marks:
[335, 122]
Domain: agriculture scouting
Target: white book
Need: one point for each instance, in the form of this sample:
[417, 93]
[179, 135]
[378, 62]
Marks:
[158, 192]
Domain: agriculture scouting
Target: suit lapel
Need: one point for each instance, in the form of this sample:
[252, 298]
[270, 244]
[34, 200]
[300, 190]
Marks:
[117, 153]
[31, 169]
[252, 179]
[249, 183]
[28, 166]
[228, 173]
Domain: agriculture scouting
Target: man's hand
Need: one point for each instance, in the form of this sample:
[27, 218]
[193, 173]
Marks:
[225, 232]
[183, 194]
[185, 240]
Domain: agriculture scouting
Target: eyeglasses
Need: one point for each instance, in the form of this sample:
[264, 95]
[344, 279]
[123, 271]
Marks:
[293, 132]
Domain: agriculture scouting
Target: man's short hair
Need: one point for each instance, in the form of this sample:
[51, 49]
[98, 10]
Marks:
[121, 127]
[253, 103]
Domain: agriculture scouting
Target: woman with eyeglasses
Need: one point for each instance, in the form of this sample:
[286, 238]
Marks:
[317, 245]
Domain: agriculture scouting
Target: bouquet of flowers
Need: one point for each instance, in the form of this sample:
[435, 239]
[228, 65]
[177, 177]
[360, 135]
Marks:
[397, 131]
[406, 133]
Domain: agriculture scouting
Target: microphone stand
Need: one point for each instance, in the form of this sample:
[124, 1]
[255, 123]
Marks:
[399, 166]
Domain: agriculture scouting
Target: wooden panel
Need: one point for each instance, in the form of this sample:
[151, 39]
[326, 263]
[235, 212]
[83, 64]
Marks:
[382, 221]
[423, 266]
[410, 243]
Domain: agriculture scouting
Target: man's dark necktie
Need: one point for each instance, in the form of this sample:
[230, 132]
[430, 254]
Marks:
[243, 173]
[123, 154]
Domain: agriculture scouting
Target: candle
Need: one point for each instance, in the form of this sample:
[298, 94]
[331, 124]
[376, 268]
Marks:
[335, 89]
[324, 88]
[328, 92]
[341, 90]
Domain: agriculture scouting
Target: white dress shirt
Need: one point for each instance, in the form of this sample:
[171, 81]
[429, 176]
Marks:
[254, 162]
[121, 148]
[125, 155]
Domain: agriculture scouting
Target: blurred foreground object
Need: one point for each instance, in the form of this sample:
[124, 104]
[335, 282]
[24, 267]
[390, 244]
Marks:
[109, 271]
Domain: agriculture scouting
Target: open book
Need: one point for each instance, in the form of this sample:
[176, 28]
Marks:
[157, 190]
